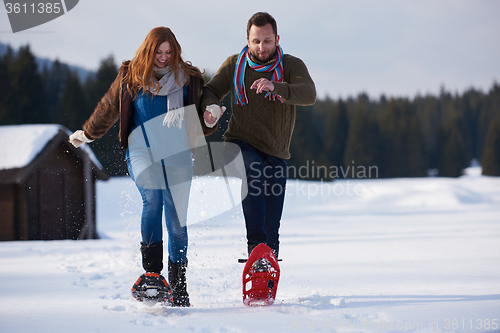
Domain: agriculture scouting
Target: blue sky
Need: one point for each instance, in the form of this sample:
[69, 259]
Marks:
[399, 48]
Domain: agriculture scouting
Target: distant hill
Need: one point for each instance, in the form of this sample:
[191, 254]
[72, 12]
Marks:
[82, 72]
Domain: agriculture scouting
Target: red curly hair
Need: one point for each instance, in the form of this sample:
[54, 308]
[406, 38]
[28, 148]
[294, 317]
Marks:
[141, 68]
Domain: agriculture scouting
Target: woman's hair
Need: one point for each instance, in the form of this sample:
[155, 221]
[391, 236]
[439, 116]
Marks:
[140, 72]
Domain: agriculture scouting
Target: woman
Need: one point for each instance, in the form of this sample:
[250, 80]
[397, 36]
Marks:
[155, 95]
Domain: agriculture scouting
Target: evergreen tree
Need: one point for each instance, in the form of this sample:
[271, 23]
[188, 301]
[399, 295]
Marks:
[97, 85]
[336, 131]
[455, 153]
[363, 143]
[71, 108]
[54, 78]
[7, 93]
[429, 113]
[5, 89]
[305, 145]
[489, 110]
[471, 102]
[319, 112]
[27, 104]
[403, 153]
[491, 157]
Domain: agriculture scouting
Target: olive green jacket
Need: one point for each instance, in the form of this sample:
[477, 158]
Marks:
[265, 124]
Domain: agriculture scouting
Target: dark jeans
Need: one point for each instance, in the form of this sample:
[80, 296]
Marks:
[263, 194]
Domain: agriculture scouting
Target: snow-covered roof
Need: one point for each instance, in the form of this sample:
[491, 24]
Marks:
[20, 144]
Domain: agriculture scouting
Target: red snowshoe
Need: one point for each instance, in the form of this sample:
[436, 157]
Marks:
[152, 288]
[260, 277]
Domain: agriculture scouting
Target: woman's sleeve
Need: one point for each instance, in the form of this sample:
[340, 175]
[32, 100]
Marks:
[107, 111]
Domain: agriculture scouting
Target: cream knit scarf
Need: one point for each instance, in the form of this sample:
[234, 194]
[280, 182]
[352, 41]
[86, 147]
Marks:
[173, 92]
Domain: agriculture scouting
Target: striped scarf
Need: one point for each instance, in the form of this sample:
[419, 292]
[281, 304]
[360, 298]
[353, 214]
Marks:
[276, 66]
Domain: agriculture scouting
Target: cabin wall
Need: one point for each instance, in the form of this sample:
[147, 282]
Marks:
[60, 176]
[7, 213]
[49, 201]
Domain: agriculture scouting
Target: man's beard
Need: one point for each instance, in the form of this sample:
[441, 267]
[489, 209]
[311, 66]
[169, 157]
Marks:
[271, 56]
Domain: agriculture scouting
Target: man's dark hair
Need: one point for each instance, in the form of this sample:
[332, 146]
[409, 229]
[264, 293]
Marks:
[260, 19]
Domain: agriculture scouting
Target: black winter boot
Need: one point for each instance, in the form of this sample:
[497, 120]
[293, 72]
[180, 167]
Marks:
[152, 257]
[177, 280]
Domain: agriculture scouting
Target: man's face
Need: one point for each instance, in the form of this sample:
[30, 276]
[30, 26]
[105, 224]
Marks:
[262, 42]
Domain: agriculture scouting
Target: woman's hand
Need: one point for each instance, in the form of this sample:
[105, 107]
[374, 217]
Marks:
[212, 114]
[78, 138]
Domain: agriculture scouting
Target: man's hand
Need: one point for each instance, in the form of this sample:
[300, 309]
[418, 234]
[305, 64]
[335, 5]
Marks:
[78, 138]
[212, 114]
[261, 85]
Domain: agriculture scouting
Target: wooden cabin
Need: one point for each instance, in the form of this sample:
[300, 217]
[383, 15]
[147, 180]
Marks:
[47, 187]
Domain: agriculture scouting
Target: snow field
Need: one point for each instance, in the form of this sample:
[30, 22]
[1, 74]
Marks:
[399, 255]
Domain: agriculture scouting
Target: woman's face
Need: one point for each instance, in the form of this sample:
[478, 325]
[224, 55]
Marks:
[163, 55]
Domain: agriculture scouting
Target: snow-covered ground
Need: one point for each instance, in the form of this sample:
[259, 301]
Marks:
[391, 255]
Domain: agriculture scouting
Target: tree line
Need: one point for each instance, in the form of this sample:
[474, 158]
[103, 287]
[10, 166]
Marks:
[355, 137]
[428, 135]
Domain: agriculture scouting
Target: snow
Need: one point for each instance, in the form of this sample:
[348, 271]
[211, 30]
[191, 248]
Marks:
[380, 255]
[20, 144]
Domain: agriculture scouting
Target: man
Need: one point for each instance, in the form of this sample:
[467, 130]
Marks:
[265, 86]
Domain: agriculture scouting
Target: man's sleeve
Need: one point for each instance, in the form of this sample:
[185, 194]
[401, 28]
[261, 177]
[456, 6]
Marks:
[218, 87]
[298, 87]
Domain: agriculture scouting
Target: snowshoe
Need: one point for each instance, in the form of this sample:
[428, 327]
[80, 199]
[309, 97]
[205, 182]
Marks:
[152, 288]
[260, 277]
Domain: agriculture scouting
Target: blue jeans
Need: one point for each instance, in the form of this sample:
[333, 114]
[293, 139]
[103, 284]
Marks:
[173, 200]
[263, 194]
